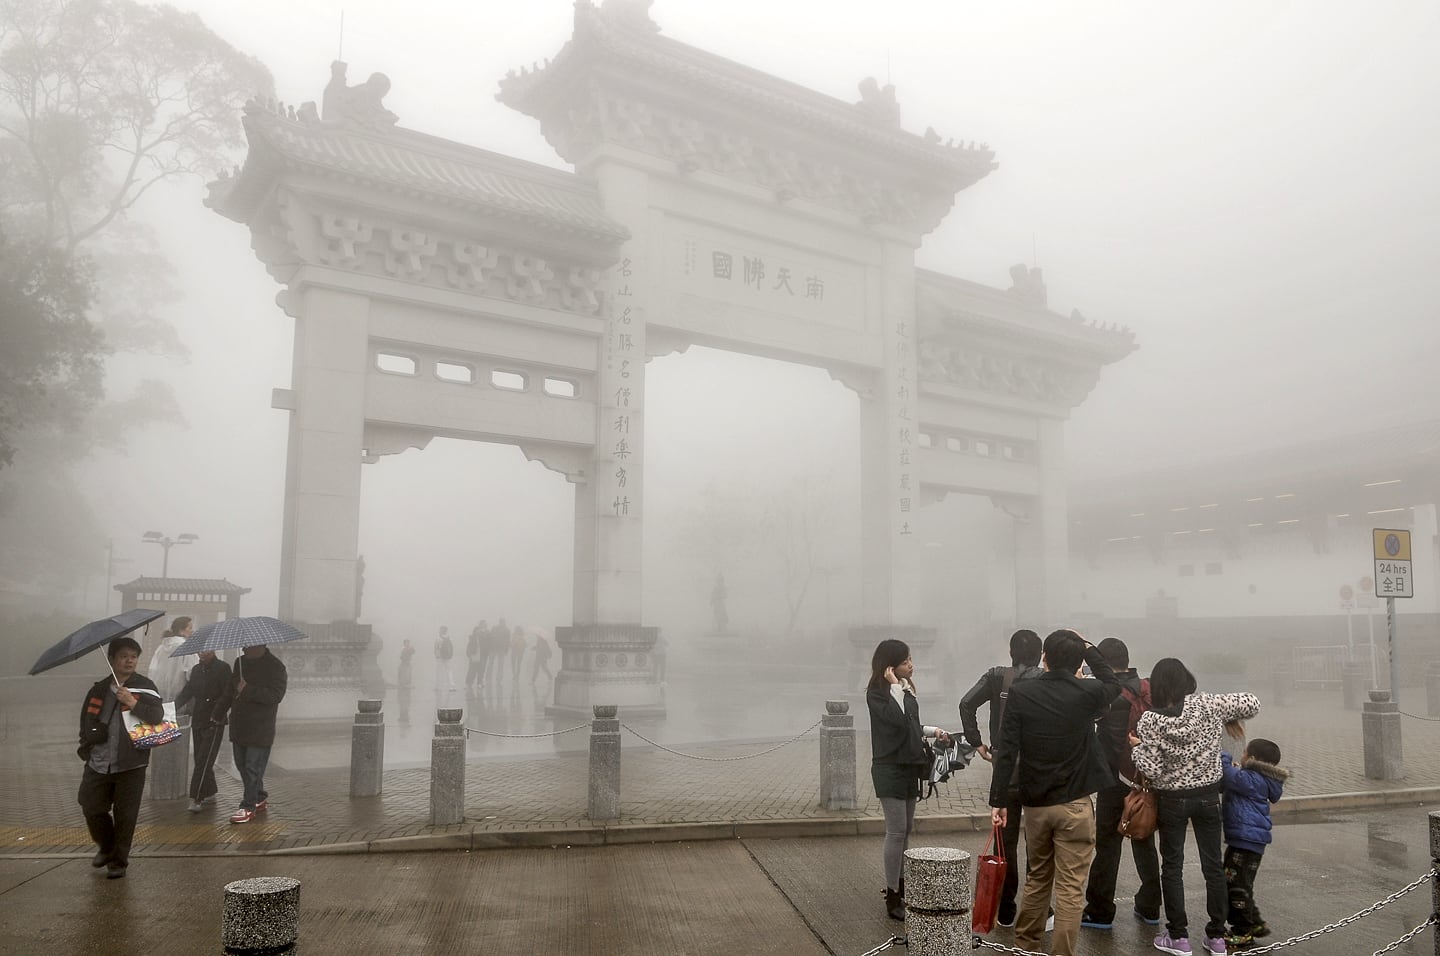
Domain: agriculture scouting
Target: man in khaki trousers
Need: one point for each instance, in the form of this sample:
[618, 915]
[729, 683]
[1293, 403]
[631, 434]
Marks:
[1049, 731]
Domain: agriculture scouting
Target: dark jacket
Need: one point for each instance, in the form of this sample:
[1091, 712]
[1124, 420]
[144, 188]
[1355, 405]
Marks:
[209, 690]
[1249, 791]
[1049, 728]
[988, 690]
[95, 714]
[1114, 729]
[895, 736]
[252, 710]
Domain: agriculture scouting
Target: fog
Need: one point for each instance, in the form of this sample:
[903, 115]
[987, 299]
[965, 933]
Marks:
[1250, 187]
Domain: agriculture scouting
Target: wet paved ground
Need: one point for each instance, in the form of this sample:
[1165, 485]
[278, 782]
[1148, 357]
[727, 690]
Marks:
[798, 880]
[813, 895]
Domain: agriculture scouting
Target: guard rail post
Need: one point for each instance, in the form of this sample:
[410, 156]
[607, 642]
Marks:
[1380, 734]
[367, 749]
[1435, 868]
[447, 768]
[604, 802]
[837, 757]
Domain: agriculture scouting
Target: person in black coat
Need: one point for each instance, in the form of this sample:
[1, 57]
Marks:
[1049, 732]
[208, 694]
[255, 694]
[114, 776]
[897, 751]
[993, 688]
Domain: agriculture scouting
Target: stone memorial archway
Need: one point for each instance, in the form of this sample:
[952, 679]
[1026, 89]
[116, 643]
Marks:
[442, 290]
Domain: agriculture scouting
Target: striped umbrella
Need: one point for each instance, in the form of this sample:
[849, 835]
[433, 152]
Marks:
[237, 632]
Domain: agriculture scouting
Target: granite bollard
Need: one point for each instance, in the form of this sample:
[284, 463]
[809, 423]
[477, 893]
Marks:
[1352, 685]
[367, 749]
[261, 916]
[1435, 865]
[169, 775]
[1432, 689]
[938, 897]
[837, 757]
[604, 803]
[447, 768]
[1380, 734]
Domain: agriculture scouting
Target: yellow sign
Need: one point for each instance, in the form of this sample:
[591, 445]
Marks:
[1391, 545]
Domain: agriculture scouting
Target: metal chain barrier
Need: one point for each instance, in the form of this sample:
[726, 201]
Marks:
[553, 733]
[983, 943]
[1434, 918]
[892, 941]
[761, 753]
[1433, 720]
[1373, 907]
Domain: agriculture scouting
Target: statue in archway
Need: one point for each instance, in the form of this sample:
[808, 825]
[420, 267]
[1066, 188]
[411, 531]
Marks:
[717, 605]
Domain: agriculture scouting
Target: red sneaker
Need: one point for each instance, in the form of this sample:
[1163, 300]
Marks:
[242, 816]
[262, 805]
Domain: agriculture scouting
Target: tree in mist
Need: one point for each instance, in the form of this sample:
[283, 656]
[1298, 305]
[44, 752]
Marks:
[100, 102]
[51, 365]
[797, 524]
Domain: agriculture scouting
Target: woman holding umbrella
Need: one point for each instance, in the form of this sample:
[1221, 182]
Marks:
[114, 776]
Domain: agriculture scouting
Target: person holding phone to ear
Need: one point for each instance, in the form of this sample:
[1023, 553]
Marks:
[898, 760]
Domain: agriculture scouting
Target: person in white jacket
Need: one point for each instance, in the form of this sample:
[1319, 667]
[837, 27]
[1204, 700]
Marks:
[171, 673]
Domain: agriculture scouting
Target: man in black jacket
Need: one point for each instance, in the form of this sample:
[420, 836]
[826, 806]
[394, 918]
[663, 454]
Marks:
[1113, 735]
[208, 693]
[993, 688]
[1049, 732]
[256, 692]
[114, 776]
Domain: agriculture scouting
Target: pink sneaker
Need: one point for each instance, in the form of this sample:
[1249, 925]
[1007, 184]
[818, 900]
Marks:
[245, 816]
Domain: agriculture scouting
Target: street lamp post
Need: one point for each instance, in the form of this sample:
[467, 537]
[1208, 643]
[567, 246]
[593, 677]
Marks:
[166, 542]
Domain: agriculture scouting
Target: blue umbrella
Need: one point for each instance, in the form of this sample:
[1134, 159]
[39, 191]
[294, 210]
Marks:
[92, 635]
[237, 632]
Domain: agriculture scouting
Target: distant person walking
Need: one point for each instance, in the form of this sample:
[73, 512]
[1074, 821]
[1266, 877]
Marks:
[208, 695]
[542, 660]
[405, 676]
[897, 757]
[1177, 745]
[475, 655]
[255, 695]
[517, 654]
[114, 776]
[444, 652]
[993, 689]
[497, 645]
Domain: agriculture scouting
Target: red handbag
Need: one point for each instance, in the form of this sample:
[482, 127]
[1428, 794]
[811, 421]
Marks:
[989, 882]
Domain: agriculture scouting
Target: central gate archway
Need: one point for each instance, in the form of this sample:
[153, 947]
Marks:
[439, 289]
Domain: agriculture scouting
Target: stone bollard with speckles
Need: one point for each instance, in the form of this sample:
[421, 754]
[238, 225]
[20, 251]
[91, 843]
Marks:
[261, 916]
[1380, 738]
[837, 757]
[367, 750]
[938, 897]
[447, 768]
[604, 803]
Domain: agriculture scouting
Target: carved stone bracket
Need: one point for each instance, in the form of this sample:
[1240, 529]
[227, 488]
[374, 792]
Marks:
[1021, 509]
[863, 382]
[383, 440]
[570, 461]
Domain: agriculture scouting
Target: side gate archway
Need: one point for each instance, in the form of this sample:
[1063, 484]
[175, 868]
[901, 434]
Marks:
[443, 290]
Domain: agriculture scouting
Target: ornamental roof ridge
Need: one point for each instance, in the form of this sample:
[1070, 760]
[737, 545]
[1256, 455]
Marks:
[431, 165]
[1001, 308]
[596, 30]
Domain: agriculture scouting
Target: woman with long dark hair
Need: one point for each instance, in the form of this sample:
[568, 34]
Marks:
[1177, 746]
[897, 755]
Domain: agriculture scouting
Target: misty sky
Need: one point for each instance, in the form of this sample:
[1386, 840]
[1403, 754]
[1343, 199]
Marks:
[1251, 187]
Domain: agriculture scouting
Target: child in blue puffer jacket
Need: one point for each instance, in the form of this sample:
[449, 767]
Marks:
[1249, 790]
